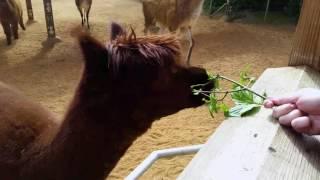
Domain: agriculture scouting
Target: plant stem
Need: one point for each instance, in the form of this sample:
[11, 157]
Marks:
[223, 92]
[244, 87]
[225, 95]
[204, 94]
[197, 85]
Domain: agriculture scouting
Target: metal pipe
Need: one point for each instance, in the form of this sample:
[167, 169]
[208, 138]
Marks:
[146, 164]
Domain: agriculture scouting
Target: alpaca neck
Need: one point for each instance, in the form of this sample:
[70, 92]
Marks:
[85, 148]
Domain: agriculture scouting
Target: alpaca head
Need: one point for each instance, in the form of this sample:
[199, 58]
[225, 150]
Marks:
[140, 73]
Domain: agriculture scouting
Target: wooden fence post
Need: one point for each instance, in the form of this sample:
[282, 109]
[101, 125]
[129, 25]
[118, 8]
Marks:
[29, 10]
[49, 19]
[306, 45]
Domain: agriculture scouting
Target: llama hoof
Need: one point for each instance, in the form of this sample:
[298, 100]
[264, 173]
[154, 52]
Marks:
[9, 41]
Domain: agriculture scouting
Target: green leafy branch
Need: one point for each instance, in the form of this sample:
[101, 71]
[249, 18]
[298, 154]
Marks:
[246, 100]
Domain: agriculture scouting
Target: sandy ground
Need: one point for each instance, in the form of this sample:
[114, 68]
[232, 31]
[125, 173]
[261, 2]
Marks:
[49, 74]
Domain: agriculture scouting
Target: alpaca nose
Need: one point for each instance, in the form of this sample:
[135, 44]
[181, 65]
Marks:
[208, 86]
[202, 83]
[202, 79]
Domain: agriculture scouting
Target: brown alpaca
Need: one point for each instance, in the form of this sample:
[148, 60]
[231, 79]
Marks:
[124, 87]
[10, 17]
[174, 15]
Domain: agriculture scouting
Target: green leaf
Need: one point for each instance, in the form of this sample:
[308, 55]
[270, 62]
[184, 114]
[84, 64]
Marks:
[216, 83]
[246, 96]
[213, 104]
[223, 107]
[245, 78]
[258, 100]
[211, 76]
[242, 96]
[241, 109]
[246, 102]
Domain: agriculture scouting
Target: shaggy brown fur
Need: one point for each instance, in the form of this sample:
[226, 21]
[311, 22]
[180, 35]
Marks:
[172, 14]
[10, 17]
[124, 87]
[84, 7]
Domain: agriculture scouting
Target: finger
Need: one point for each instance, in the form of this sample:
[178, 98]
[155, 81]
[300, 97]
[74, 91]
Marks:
[268, 104]
[309, 103]
[302, 125]
[282, 110]
[315, 125]
[286, 119]
[288, 99]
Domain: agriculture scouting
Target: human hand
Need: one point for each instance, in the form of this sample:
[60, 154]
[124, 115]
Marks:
[300, 110]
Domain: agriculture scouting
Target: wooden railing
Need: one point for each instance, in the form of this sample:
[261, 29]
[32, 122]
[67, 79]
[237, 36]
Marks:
[257, 147]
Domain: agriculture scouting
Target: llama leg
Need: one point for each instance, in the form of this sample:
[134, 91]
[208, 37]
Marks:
[15, 30]
[151, 28]
[145, 30]
[182, 32]
[173, 30]
[82, 18]
[81, 14]
[162, 29]
[7, 31]
[21, 22]
[192, 42]
[149, 20]
[87, 14]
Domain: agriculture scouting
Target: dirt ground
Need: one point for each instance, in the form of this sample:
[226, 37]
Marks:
[49, 74]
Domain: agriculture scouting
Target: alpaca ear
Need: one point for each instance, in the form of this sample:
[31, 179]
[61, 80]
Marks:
[94, 53]
[116, 30]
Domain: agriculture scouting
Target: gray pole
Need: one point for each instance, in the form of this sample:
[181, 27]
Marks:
[267, 10]
[29, 10]
[49, 18]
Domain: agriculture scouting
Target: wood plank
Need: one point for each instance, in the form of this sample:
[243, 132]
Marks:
[306, 49]
[296, 156]
[257, 147]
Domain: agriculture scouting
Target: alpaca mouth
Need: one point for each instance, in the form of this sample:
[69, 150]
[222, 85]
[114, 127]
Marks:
[199, 97]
